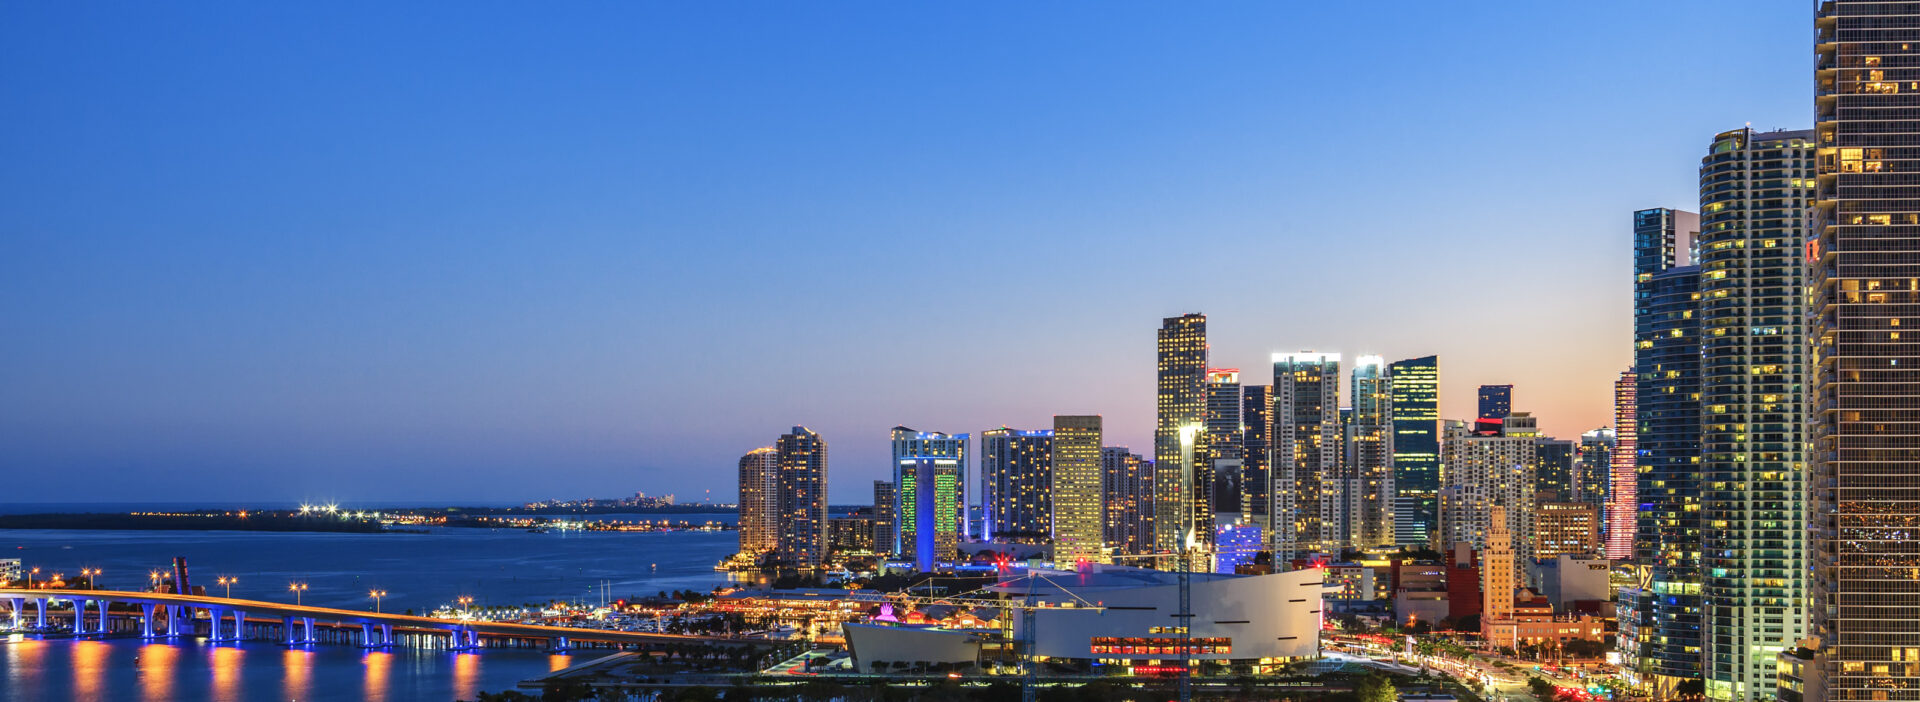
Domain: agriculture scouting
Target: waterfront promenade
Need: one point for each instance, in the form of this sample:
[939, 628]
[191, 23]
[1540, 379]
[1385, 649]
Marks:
[157, 615]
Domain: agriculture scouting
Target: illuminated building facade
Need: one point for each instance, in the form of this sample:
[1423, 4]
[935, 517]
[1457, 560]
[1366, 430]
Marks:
[1496, 401]
[1498, 576]
[801, 501]
[884, 517]
[1079, 517]
[1415, 384]
[1754, 189]
[1256, 452]
[1179, 437]
[1865, 367]
[1666, 364]
[1307, 509]
[759, 525]
[1594, 469]
[1369, 456]
[1484, 472]
[1553, 468]
[1621, 505]
[929, 475]
[1235, 544]
[1565, 528]
[1127, 492]
[1016, 473]
[1224, 431]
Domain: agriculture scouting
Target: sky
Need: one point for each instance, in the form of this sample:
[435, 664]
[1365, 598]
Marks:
[505, 251]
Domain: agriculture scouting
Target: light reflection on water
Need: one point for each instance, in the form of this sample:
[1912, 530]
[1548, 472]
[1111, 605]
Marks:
[130, 669]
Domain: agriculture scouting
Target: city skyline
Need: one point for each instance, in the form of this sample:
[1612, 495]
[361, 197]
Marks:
[430, 284]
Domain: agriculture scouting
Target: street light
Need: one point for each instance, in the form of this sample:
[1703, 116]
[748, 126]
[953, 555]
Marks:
[376, 595]
[465, 609]
[153, 579]
[90, 574]
[227, 583]
[30, 574]
[296, 589]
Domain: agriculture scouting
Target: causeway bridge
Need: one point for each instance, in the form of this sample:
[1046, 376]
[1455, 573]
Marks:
[99, 613]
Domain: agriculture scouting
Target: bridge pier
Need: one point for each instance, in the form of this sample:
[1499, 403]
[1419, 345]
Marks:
[18, 603]
[559, 644]
[40, 605]
[146, 620]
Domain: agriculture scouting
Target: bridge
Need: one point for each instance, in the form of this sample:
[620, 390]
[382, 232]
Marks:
[167, 615]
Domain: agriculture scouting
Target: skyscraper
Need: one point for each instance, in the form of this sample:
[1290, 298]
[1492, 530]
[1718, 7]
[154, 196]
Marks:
[1594, 470]
[1079, 517]
[1622, 509]
[1179, 437]
[1127, 492]
[1416, 449]
[1227, 456]
[1369, 456]
[884, 516]
[1016, 472]
[1865, 372]
[759, 526]
[1753, 199]
[1256, 451]
[1554, 469]
[1496, 401]
[929, 472]
[1666, 363]
[802, 499]
[1307, 509]
[1484, 472]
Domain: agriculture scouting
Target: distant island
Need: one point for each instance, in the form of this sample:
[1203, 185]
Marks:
[196, 521]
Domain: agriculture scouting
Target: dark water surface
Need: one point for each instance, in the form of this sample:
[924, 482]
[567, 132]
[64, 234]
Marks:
[418, 571]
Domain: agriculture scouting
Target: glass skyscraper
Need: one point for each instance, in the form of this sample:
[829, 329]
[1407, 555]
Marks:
[802, 499]
[1179, 436]
[1666, 364]
[1753, 199]
[1865, 366]
[1079, 517]
[1369, 456]
[1016, 476]
[1415, 385]
[1496, 401]
[930, 470]
[1256, 451]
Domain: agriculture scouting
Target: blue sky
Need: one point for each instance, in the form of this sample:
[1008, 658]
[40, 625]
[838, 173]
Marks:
[500, 251]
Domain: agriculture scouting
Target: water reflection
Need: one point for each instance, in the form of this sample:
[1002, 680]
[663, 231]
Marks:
[379, 667]
[157, 663]
[89, 668]
[226, 672]
[298, 664]
[557, 661]
[466, 676]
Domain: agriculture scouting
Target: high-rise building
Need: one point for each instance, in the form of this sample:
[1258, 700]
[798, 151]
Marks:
[1127, 492]
[1079, 517]
[1307, 508]
[1753, 199]
[1224, 431]
[1016, 473]
[1622, 509]
[1594, 470]
[884, 517]
[1865, 369]
[1256, 452]
[1666, 363]
[1416, 449]
[1554, 468]
[1484, 472]
[801, 501]
[759, 484]
[1369, 456]
[929, 478]
[1565, 528]
[1496, 401]
[1179, 437]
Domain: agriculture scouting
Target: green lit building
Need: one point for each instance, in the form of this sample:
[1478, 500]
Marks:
[1415, 388]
